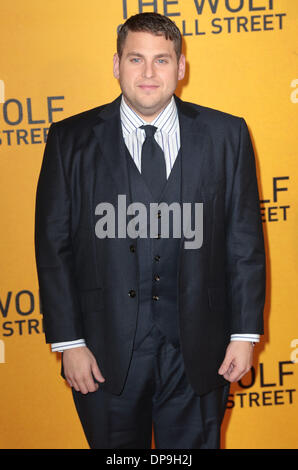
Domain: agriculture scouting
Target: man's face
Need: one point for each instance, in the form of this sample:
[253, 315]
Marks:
[148, 72]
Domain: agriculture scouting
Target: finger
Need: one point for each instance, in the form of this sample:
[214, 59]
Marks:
[225, 366]
[75, 385]
[69, 382]
[228, 373]
[235, 374]
[90, 384]
[81, 385]
[244, 373]
[96, 372]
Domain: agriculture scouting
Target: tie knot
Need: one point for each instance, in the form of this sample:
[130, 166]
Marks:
[149, 130]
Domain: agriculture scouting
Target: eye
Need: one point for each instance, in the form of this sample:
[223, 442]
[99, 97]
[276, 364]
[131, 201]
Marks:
[135, 60]
[162, 61]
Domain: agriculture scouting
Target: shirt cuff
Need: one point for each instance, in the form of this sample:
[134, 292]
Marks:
[60, 347]
[255, 338]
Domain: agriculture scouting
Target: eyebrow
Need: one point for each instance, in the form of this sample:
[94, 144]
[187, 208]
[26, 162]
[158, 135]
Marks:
[165, 54]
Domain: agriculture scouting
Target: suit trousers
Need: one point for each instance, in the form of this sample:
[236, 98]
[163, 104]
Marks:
[156, 392]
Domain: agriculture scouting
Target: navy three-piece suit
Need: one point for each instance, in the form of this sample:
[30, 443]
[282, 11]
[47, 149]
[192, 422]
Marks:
[158, 317]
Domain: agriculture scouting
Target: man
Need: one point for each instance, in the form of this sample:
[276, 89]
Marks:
[151, 330]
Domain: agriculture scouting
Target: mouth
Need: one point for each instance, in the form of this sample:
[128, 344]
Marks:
[148, 87]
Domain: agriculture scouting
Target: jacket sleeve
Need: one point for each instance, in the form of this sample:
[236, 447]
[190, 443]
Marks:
[246, 265]
[53, 248]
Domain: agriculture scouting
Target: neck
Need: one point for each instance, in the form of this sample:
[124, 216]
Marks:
[147, 118]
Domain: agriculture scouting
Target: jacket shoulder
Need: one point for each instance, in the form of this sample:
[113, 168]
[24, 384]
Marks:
[215, 118]
[79, 121]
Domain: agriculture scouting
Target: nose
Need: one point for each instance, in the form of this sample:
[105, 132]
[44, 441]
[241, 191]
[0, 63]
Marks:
[148, 70]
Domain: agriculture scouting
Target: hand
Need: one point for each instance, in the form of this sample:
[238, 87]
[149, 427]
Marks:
[237, 361]
[79, 364]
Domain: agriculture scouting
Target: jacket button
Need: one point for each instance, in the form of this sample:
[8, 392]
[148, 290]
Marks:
[132, 293]
[157, 257]
[155, 297]
[132, 248]
[156, 277]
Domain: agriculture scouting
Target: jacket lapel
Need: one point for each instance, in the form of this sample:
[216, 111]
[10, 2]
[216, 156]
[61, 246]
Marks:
[193, 137]
[109, 135]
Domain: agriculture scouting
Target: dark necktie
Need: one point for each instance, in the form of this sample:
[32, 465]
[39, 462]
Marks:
[153, 165]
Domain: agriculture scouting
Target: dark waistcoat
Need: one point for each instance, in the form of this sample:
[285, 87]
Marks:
[157, 259]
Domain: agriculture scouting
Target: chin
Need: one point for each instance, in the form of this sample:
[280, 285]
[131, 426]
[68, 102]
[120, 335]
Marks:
[153, 99]
[147, 103]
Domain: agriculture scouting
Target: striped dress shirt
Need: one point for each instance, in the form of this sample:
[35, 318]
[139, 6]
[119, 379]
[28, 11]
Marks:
[167, 136]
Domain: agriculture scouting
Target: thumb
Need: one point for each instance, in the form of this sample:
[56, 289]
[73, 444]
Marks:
[225, 365]
[96, 372]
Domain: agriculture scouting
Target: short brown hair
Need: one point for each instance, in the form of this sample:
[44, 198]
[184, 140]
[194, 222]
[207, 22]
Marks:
[152, 23]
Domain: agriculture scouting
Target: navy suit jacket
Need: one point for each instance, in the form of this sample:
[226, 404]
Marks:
[85, 281]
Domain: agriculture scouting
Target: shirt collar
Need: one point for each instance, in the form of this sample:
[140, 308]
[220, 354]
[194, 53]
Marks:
[166, 121]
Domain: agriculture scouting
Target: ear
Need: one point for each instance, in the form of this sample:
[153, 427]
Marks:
[181, 67]
[116, 62]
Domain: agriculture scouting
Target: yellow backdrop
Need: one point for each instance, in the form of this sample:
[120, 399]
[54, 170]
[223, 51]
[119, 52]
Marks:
[56, 61]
